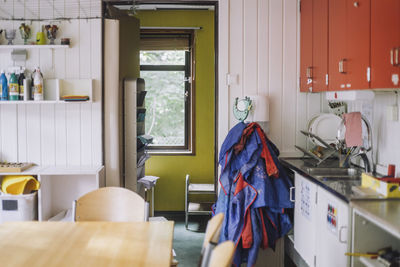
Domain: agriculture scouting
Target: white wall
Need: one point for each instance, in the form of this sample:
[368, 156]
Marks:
[259, 48]
[55, 134]
[386, 133]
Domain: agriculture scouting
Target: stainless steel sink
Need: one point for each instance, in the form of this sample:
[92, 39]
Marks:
[334, 173]
[336, 178]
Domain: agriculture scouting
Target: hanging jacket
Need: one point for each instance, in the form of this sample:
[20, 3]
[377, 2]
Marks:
[254, 192]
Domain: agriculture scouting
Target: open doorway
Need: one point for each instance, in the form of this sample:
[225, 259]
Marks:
[178, 62]
[191, 146]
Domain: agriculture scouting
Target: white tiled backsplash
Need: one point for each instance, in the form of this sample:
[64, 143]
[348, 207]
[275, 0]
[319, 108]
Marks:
[386, 132]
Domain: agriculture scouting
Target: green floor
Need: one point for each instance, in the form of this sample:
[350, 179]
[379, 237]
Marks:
[187, 243]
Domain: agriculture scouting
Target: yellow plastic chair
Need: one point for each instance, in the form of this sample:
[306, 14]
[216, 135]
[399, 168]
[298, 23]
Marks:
[114, 204]
[222, 255]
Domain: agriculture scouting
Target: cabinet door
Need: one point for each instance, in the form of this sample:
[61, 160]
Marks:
[320, 45]
[337, 44]
[305, 218]
[306, 45]
[332, 228]
[385, 42]
[358, 44]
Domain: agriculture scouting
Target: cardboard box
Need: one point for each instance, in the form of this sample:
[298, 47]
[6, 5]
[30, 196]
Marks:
[387, 189]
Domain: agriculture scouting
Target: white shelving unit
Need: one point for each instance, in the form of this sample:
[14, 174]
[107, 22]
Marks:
[18, 46]
[55, 89]
[375, 226]
[371, 262]
[60, 186]
[197, 208]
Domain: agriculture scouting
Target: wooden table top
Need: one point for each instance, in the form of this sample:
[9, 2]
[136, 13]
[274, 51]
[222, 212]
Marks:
[97, 244]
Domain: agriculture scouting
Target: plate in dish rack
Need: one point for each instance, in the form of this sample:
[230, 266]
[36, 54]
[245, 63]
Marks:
[325, 126]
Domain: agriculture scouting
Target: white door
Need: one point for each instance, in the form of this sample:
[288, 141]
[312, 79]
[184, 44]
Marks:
[332, 223]
[121, 60]
[305, 221]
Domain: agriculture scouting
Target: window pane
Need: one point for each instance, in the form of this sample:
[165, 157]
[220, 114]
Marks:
[162, 57]
[165, 107]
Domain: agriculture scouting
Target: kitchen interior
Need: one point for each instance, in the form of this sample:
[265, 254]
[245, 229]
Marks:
[291, 104]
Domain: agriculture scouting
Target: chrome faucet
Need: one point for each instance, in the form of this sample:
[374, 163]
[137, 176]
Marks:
[363, 155]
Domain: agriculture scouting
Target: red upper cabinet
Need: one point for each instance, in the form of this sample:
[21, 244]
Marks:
[320, 45]
[313, 45]
[385, 44]
[306, 48]
[349, 44]
[337, 44]
[358, 44]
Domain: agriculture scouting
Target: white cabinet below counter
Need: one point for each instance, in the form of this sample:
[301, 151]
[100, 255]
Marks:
[320, 225]
[305, 218]
[376, 225]
[332, 230]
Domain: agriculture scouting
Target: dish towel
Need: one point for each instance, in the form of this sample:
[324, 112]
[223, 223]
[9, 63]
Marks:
[353, 135]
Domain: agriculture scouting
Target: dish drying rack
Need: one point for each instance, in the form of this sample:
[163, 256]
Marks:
[330, 151]
[323, 154]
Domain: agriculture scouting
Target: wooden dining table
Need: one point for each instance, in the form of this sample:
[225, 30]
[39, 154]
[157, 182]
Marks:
[51, 244]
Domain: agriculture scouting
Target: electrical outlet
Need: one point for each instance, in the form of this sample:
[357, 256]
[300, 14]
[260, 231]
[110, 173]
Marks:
[392, 113]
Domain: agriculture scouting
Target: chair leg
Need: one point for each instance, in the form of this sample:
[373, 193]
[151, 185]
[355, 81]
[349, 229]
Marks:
[186, 220]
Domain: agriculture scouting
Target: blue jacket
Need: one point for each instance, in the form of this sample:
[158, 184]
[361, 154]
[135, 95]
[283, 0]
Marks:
[249, 195]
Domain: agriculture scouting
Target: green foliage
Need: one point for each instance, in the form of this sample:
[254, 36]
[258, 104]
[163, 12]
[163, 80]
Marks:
[165, 99]
[162, 57]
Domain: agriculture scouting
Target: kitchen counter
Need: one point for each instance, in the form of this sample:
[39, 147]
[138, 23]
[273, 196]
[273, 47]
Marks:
[385, 214]
[342, 188]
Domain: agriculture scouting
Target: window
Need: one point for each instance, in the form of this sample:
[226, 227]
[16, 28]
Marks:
[166, 67]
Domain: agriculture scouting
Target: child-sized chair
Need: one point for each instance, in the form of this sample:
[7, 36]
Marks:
[114, 204]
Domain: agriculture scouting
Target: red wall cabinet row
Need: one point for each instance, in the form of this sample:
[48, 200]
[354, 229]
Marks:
[349, 45]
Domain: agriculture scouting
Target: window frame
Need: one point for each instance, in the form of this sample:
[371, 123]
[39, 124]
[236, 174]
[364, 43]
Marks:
[189, 147]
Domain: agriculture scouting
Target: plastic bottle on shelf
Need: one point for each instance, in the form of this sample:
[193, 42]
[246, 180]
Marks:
[37, 85]
[31, 86]
[21, 79]
[3, 86]
[13, 87]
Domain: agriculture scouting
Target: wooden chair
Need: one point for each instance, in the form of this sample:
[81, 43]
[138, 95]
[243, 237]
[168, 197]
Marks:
[211, 238]
[222, 255]
[114, 204]
[213, 230]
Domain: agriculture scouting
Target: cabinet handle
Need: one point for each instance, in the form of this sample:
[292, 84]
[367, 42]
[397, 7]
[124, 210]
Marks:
[309, 72]
[291, 194]
[341, 66]
[391, 56]
[340, 234]
[396, 56]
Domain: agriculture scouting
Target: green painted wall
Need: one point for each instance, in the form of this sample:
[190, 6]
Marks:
[170, 189]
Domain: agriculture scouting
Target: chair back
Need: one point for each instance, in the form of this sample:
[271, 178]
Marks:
[114, 204]
[222, 255]
[213, 230]
[211, 238]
